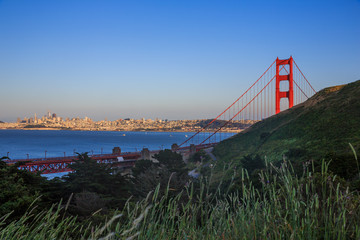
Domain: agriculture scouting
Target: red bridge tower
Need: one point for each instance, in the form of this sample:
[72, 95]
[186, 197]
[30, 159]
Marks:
[289, 77]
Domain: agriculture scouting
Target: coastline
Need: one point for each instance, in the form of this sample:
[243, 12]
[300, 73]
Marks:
[57, 129]
[115, 130]
[128, 125]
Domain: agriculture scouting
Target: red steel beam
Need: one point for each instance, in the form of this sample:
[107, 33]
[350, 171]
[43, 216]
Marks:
[62, 164]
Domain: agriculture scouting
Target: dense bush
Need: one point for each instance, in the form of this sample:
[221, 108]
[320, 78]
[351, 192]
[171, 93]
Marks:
[96, 183]
[168, 170]
[312, 206]
[200, 156]
[18, 189]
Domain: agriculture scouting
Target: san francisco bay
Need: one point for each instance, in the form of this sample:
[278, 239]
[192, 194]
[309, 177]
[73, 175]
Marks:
[22, 144]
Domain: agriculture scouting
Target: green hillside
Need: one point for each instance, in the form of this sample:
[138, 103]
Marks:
[322, 126]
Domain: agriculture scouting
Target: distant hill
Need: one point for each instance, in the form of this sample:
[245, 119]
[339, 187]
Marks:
[218, 123]
[322, 126]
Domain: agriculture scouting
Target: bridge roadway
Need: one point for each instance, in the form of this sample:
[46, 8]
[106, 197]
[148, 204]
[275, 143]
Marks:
[63, 164]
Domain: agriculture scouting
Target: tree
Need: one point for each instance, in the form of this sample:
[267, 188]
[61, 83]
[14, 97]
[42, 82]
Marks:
[200, 156]
[18, 189]
[96, 179]
[142, 166]
[170, 170]
[172, 160]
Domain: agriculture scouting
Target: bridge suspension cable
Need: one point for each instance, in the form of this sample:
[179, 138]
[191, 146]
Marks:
[258, 101]
[224, 112]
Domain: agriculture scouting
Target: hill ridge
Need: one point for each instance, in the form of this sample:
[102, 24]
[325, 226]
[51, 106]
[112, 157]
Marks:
[325, 123]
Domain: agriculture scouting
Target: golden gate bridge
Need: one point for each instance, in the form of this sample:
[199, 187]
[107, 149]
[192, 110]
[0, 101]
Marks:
[282, 86]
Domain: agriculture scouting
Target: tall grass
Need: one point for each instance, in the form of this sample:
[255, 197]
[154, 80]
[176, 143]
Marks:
[311, 206]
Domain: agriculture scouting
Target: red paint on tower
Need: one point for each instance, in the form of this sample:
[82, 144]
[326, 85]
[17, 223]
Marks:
[289, 77]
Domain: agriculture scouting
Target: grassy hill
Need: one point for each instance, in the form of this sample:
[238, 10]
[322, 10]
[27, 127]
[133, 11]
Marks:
[323, 126]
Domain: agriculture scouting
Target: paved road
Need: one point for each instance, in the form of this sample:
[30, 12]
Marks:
[209, 152]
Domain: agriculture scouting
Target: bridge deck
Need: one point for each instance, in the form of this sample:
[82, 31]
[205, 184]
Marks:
[63, 164]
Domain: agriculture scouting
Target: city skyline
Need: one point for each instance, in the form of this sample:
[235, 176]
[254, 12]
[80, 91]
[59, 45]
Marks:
[31, 119]
[52, 115]
[51, 121]
[160, 59]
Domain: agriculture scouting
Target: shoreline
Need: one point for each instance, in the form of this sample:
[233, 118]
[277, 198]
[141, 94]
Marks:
[101, 130]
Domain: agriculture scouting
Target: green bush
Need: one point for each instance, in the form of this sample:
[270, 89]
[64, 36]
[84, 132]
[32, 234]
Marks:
[311, 206]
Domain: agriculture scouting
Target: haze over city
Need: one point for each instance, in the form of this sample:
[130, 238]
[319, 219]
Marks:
[162, 59]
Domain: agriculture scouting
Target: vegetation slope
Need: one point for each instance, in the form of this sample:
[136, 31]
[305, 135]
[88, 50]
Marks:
[321, 127]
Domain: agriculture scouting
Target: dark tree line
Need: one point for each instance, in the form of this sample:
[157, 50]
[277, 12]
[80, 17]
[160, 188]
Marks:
[91, 187]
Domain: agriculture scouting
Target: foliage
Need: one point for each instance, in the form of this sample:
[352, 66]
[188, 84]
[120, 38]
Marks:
[200, 156]
[96, 183]
[35, 126]
[142, 166]
[251, 163]
[322, 125]
[311, 206]
[343, 165]
[87, 203]
[18, 189]
[172, 160]
[169, 170]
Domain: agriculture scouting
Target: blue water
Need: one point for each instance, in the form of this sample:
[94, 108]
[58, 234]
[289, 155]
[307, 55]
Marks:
[18, 143]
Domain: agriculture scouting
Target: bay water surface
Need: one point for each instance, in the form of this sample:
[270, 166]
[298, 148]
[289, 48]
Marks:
[21, 144]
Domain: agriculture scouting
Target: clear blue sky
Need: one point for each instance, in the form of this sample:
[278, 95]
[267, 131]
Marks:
[167, 59]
